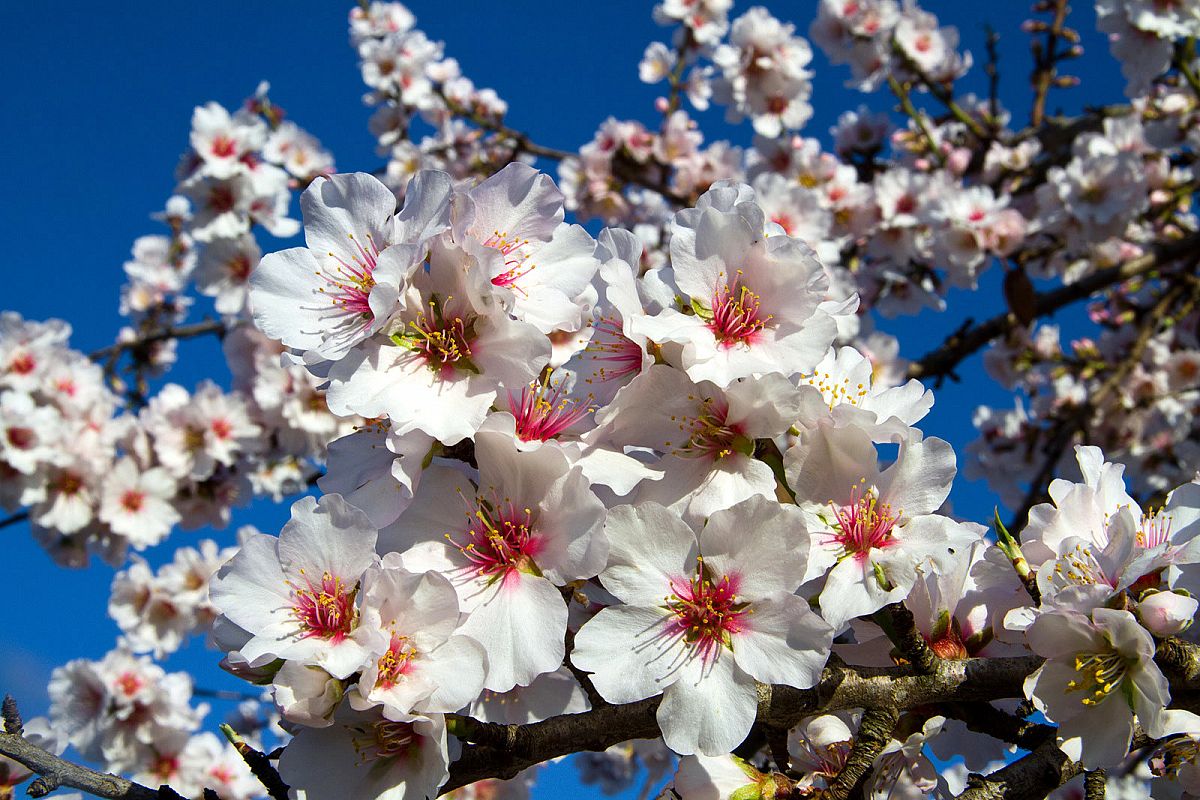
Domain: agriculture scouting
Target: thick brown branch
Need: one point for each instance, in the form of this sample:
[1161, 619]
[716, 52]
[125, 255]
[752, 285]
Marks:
[59, 772]
[874, 732]
[909, 641]
[1033, 776]
[942, 361]
[504, 750]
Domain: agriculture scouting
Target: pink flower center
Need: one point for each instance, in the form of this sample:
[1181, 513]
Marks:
[516, 260]
[349, 283]
[610, 345]
[21, 438]
[324, 610]
[22, 364]
[129, 683]
[864, 523]
[239, 268]
[444, 340]
[709, 434]
[68, 484]
[395, 662]
[737, 316]
[707, 612]
[784, 221]
[544, 412]
[132, 501]
[500, 538]
[223, 146]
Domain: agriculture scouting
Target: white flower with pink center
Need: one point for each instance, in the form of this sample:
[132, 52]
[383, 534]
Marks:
[872, 529]
[540, 266]
[296, 595]
[615, 352]
[450, 351]
[705, 615]
[223, 141]
[755, 300]
[29, 433]
[347, 283]
[420, 663]
[546, 415]
[136, 503]
[705, 435]
[528, 526]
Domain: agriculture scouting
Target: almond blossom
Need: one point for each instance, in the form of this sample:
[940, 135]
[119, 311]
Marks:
[730, 618]
[872, 529]
[295, 594]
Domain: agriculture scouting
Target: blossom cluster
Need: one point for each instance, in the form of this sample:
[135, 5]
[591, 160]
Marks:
[687, 432]
[127, 713]
[666, 464]
[99, 475]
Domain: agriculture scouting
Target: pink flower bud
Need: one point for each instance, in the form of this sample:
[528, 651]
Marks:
[958, 160]
[1167, 613]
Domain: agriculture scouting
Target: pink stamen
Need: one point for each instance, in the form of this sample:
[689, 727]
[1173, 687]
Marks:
[709, 435]
[737, 316]
[324, 611]
[395, 662]
[609, 344]
[349, 284]
[223, 146]
[515, 258]
[500, 538]
[864, 523]
[544, 412]
[383, 739]
[1155, 530]
[707, 613]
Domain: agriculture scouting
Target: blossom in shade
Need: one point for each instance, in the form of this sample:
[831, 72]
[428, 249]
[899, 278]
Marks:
[364, 754]
[1099, 674]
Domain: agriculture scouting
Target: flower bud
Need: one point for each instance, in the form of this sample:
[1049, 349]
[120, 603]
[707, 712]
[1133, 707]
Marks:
[1166, 613]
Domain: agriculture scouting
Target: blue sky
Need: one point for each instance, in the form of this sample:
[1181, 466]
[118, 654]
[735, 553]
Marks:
[96, 107]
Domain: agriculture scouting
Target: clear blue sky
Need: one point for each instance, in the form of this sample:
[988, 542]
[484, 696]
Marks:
[96, 107]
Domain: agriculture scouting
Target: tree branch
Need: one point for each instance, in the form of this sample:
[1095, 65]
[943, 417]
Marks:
[57, 772]
[160, 335]
[501, 751]
[941, 361]
[874, 732]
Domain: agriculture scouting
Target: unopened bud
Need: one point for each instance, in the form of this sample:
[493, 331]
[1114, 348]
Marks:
[1166, 613]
